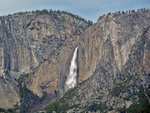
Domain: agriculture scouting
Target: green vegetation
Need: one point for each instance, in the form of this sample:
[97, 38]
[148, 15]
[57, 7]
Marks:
[61, 105]
[57, 107]
[8, 110]
[28, 99]
[100, 97]
[3, 111]
[148, 92]
[117, 13]
[22, 78]
[96, 107]
[142, 107]
[128, 78]
[128, 97]
[118, 89]
[53, 12]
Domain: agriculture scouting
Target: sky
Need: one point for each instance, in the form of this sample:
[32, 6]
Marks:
[88, 9]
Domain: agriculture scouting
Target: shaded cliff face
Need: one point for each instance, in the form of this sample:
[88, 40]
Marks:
[114, 54]
[113, 39]
[31, 43]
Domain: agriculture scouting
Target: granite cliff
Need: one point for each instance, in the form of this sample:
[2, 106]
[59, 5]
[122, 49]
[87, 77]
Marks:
[113, 62]
[35, 49]
[114, 54]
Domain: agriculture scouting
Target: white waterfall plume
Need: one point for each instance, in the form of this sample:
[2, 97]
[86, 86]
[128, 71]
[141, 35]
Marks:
[72, 76]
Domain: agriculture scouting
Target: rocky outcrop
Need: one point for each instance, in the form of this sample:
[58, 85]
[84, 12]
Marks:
[9, 94]
[113, 63]
[29, 39]
[114, 56]
[113, 39]
[31, 43]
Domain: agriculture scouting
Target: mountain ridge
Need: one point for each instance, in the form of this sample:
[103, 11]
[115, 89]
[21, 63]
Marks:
[27, 41]
[119, 46]
[112, 53]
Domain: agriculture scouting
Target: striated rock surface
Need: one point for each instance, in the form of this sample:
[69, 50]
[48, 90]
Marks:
[9, 94]
[30, 44]
[114, 56]
[113, 62]
[113, 39]
[29, 39]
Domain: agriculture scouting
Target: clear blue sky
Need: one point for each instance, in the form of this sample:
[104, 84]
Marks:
[88, 9]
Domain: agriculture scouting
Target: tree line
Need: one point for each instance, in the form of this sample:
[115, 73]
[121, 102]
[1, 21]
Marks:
[129, 11]
[50, 11]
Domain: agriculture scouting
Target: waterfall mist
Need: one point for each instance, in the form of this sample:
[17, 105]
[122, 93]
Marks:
[72, 76]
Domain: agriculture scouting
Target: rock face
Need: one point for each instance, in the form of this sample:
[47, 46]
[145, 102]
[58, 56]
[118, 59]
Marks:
[29, 39]
[113, 61]
[114, 54]
[113, 39]
[9, 94]
[31, 43]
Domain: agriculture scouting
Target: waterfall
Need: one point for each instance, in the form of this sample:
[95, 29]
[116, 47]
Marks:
[72, 76]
